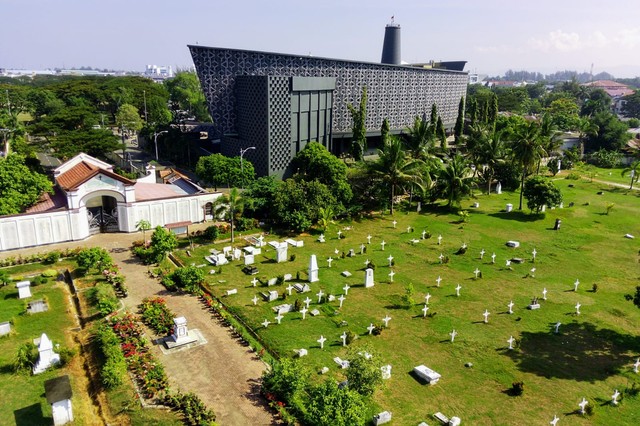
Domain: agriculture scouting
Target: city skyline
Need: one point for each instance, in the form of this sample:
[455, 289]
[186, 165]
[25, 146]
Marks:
[493, 36]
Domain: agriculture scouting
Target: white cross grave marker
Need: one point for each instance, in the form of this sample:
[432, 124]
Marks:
[254, 281]
[425, 309]
[362, 247]
[508, 262]
[493, 258]
[386, 320]
[371, 328]
[329, 260]
[582, 405]
[476, 272]
[320, 294]
[441, 257]
[346, 289]
[482, 252]
[544, 293]
[343, 336]
[289, 288]
[339, 234]
[255, 300]
[510, 341]
[321, 340]
[453, 335]
[578, 308]
[575, 285]
[426, 298]
[532, 272]
[395, 222]
[307, 301]
[614, 397]
[636, 366]
[408, 229]
[368, 239]
[391, 274]
[341, 299]
[555, 420]
[534, 252]
[279, 318]
[390, 259]
[424, 234]
[439, 239]
[303, 311]
[382, 244]
[557, 326]
[486, 316]
[458, 290]
[438, 280]
[510, 305]
[266, 323]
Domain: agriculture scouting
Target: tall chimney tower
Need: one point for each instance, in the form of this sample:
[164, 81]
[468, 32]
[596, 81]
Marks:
[391, 45]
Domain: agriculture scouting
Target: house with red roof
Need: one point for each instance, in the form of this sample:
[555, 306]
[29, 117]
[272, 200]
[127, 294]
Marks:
[89, 198]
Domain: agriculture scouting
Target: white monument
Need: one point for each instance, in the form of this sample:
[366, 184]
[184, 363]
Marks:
[181, 335]
[24, 289]
[58, 393]
[249, 259]
[499, 188]
[313, 269]
[281, 252]
[368, 278]
[47, 357]
[386, 371]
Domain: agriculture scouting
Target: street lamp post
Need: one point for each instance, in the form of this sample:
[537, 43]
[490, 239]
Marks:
[155, 140]
[242, 151]
[5, 146]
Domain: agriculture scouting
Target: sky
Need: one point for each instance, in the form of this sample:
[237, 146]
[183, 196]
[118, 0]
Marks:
[492, 35]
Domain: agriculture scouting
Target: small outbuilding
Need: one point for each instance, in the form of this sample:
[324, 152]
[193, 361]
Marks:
[58, 393]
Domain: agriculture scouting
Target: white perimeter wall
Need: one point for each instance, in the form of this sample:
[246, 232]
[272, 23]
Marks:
[36, 229]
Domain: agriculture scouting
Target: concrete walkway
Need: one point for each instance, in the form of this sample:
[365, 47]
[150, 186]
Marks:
[222, 372]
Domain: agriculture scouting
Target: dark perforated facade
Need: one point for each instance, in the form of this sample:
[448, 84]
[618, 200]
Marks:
[398, 93]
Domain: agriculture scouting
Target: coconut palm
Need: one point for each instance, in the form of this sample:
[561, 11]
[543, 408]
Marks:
[394, 169]
[421, 140]
[586, 128]
[230, 205]
[634, 170]
[488, 150]
[456, 179]
[526, 150]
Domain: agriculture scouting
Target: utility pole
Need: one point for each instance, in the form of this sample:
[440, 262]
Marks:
[242, 151]
[155, 140]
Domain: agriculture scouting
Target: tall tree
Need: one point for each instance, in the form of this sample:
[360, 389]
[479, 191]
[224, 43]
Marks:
[128, 118]
[187, 98]
[433, 119]
[395, 170]
[230, 205]
[384, 131]
[458, 130]
[20, 187]
[421, 140]
[526, 150]
[441, 134]
[359, 117]
[586, 129]
[455, 179]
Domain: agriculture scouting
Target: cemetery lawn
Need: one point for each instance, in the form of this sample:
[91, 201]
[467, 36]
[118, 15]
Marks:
[23, 398]
[590, 357]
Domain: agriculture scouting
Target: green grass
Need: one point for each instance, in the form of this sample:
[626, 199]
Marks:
[608, 175]
[590, 358]
[23, 399]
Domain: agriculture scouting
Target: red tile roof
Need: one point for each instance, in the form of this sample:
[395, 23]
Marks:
[49, 202]
[82, 172]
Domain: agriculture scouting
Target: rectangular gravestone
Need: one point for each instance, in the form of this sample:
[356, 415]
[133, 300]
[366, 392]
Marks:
[272, 281]
[281, 253]
[382, 418]
[249, 259]
[288, 277]
[5, 328]
[346, 274]
[301, 288]
[37, 306]
[24, 289]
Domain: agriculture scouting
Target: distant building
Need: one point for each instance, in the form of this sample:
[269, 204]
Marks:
[280, 102]
[613, 89]
[158, 73]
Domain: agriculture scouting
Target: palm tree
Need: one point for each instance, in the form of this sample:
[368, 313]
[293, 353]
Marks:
[526, 150]
[550, 136]
[394, 169]
[230, 205]
[634, 170]
[456, 178]
[421, 140]
[325, 217]
[488, 150]
[143, 225]
[586, 128]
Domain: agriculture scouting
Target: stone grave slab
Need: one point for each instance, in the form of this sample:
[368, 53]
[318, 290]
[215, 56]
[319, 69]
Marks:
[37, 306]
[5, 328]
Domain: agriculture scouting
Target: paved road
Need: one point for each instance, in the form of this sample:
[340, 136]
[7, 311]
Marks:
[222, 372]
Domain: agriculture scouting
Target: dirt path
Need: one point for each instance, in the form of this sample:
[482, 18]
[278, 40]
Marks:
[222, 372]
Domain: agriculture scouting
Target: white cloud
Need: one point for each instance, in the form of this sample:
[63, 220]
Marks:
[628, 38]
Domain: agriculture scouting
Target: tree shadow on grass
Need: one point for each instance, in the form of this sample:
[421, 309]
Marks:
[31, 415]
[580, 352]
[518, 215]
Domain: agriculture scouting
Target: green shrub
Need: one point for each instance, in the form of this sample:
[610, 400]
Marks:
[50, 273]
[188, 278]
[211, 233]
[52, 257]
[66, 355]
[103, 297]
[114, 367]
[39, 280]
[26, 357]
[157, 315]
[573, 176]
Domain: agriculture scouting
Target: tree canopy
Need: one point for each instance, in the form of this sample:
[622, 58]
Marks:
[20, 187]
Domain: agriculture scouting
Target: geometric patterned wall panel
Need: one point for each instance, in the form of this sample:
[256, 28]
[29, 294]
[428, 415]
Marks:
[398, 93]
[279, 124]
